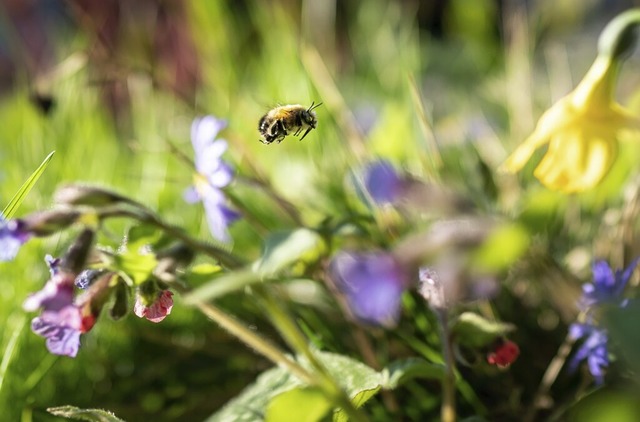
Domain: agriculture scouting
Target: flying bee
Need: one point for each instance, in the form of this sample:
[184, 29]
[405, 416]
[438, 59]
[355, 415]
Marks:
[283, 120]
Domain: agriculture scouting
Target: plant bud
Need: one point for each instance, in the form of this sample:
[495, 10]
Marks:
[87, 195]
[46, 223]
[74, 261]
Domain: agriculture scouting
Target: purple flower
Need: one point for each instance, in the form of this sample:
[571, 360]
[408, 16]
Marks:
[61, 321]
[382, 182]
[61, 328]
[56, 294]
[607, 287]
[13, 234]
[593, 349]
[373, 284]
[212, 175]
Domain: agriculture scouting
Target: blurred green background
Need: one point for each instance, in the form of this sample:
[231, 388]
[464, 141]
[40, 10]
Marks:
[444, 88]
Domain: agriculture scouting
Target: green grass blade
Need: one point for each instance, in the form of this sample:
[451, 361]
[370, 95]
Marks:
[17, 199]
[10, 349]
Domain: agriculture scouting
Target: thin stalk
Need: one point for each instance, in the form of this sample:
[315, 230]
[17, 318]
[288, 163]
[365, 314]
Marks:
[297, 341]
[147, 216]
[253, 340]
[239, 330]
[549, 377]
[448, 408]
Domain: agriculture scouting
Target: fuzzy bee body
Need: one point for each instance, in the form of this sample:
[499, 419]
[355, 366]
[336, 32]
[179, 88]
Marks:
[285, 120]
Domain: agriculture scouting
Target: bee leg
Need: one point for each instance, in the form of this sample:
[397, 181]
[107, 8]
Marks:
[305, 134]
[281, 128]
[298, 131]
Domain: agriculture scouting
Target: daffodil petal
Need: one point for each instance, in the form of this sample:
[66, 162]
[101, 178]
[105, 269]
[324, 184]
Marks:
[518, 158]
[576, 161]
[553, 120]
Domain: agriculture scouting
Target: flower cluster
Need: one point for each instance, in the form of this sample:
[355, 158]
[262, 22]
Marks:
[212, 174]
[67, 313]
[605, 290]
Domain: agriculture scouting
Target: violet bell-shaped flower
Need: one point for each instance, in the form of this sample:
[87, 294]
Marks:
[212, 174]
[373, 285]
[593, 350]
[607, 286]
[383, 183]
[61, 322]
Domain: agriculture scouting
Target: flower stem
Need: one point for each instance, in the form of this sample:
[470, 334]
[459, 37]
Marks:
[147, 216]
[448, 408]
[253, 340]
[549, 378]
[617, 39]
[297, 341]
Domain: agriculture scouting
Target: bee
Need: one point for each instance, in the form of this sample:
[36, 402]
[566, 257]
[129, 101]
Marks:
[283, 120]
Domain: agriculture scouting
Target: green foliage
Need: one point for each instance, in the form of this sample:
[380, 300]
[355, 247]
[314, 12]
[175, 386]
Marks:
[282, 250]
[287, 406]
[273, 391]
[10, 209]
[502, 248]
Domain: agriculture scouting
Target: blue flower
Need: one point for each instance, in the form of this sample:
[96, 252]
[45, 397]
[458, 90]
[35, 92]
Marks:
[593, 349]
[383, 183]
[13, 234]
[373, 284]
[212, 174]
[85, 279]
[607, 287]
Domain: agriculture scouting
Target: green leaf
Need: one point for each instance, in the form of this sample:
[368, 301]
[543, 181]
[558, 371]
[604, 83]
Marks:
[141, 236]
[91, 415]
[606, 404]
[300, 404]
[358, 400]
[622, 327]
[26, 187]
[10, 349]
[286, 248]
[502, 248]
[250, 405]
[357, 379]
[136, 259]
[401, 371]
[137, 266]
[201, 273]
[475, 331]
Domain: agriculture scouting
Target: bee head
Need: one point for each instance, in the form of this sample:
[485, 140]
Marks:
[309, 116]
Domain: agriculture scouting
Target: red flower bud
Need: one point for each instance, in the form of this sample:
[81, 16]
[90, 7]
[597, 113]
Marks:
[504, 354]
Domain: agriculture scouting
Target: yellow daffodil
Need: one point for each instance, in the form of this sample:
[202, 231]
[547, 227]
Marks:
[582, 129]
